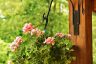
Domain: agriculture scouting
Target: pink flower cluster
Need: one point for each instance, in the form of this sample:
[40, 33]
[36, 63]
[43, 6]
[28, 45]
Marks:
[50, 40]
[29, 28]
[37, 32]
[61, 35]
[15, 44]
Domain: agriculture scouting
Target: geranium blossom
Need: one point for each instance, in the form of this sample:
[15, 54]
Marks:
[37, 32]
[18, 40]
[27, 27]
[33, 31]
[50, 40]
[15, 44]
[68, 36]
[13, 47]
[60, 35]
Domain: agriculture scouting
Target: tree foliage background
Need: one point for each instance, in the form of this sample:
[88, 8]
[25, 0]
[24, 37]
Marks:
[15, 13]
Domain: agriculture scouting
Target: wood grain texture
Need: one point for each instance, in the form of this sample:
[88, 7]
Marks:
[94, 5]
[84, 40]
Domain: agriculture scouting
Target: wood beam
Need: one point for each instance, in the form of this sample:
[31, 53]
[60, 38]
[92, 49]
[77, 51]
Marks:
[94, 5]
[84, 40]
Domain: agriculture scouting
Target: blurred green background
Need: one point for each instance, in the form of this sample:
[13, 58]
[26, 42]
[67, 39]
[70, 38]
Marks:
[15, 13]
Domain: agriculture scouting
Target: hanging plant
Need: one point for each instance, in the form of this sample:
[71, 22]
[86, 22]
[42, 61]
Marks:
[36, 46]
[43, 48]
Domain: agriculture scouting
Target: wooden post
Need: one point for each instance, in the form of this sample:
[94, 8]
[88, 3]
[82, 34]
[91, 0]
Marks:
[84, 40]
[94, 5]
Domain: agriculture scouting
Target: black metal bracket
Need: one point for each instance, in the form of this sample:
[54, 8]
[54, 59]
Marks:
[45, 17]
[76, 17]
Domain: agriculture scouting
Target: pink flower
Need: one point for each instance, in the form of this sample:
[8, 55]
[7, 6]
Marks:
[27, 27]
[37, 32]
[13, 47]
[15, 44]
[68, 36]
[49, 40]
[33, 31]
[18, 40]
[60, 35]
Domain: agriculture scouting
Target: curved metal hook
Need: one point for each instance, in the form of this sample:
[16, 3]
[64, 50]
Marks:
[45, 17]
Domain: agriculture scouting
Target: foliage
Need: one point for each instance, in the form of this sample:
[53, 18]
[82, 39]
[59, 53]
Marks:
[3, 52]
[94, 37]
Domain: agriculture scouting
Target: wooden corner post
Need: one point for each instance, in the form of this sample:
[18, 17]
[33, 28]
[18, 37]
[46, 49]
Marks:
[83, 39]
